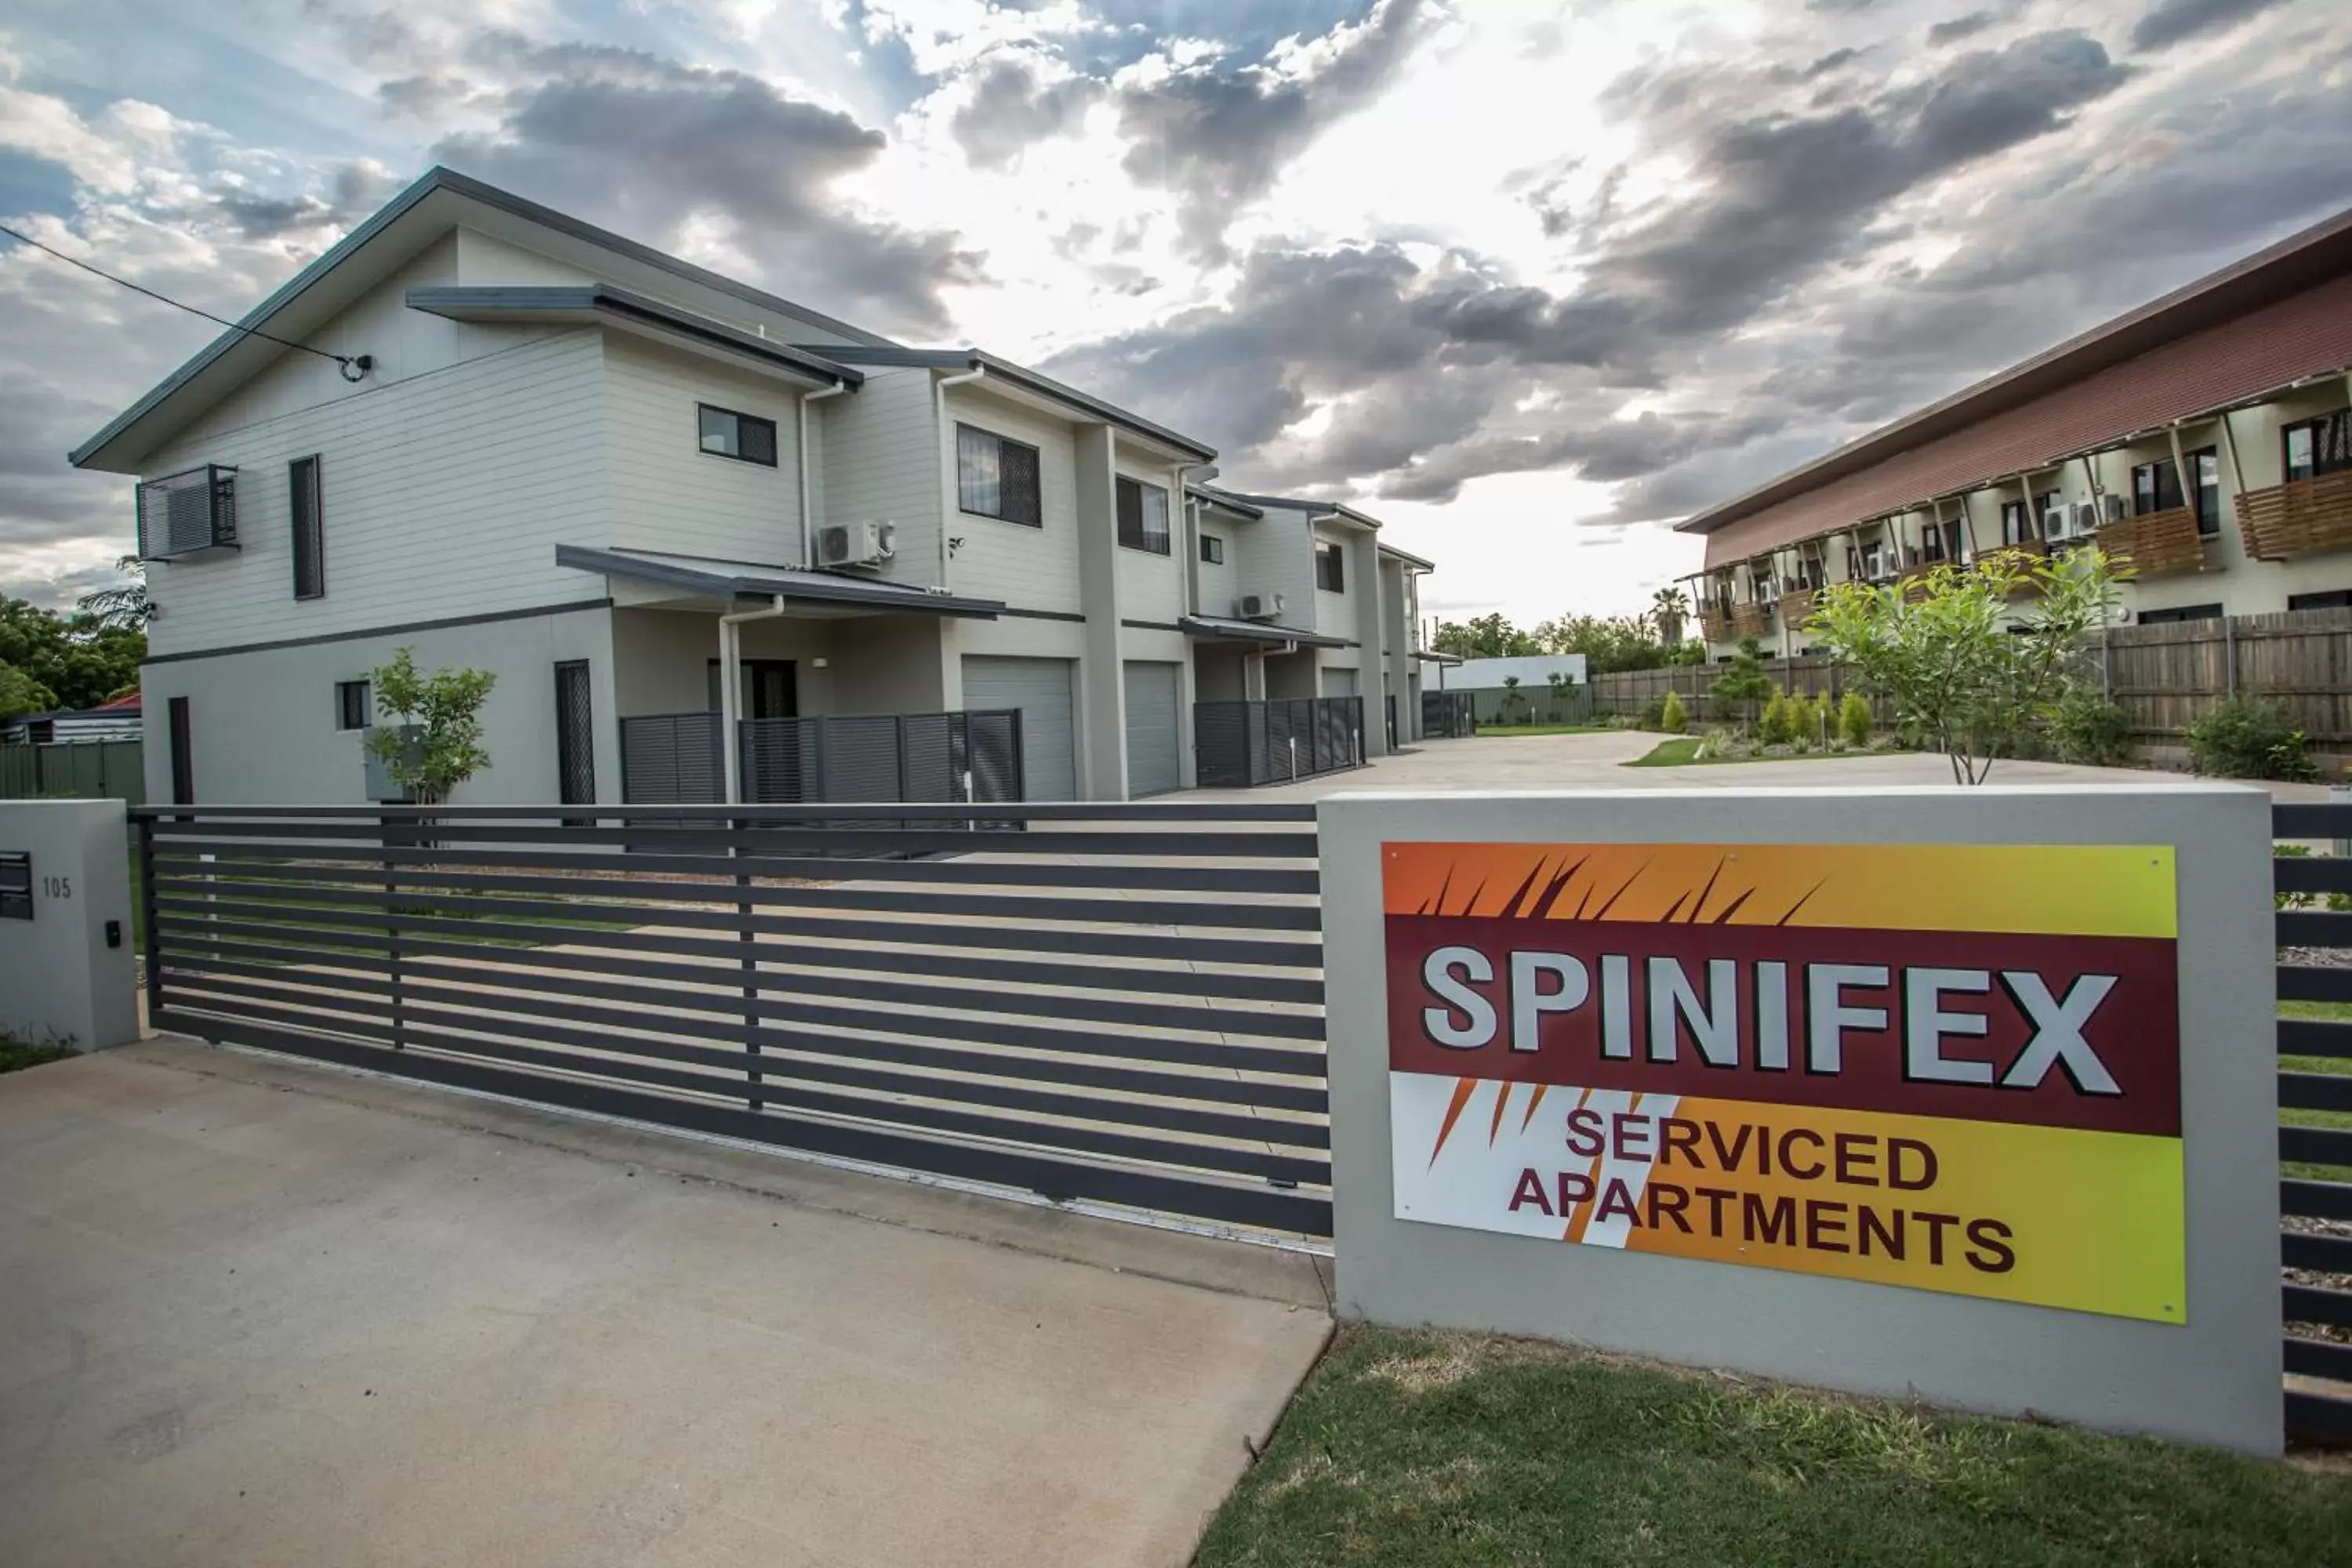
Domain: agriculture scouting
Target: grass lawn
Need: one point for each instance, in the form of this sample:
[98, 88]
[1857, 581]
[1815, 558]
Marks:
[1684, 753]
[2337, 1012]
[1411, 1448]
[1543, 729]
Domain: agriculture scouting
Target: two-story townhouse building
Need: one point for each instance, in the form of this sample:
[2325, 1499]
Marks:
[2205, 437]
[680, 519]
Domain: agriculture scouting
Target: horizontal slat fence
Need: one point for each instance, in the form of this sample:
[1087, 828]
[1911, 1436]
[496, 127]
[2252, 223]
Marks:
[1118, 1004]
[2316, 1105]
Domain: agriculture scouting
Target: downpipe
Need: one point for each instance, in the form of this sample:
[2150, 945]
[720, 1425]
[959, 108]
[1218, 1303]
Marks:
[730, 694]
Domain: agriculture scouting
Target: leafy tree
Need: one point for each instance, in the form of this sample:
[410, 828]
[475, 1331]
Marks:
[1484, 636]
[79, 662]
[1561, 686]
[1743, 688]
[1853, 719]
[445, 709]
[126, 604]
[1512, 699]
[1671, 718]
[1609, 642]
[1670, 608]
[1944, 653]
[21, 694]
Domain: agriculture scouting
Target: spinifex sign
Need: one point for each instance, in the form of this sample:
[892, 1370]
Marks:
[1951, 1067]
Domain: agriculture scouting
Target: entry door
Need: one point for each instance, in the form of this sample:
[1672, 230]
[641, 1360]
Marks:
[184, 750]
[1042, 689]
[1153, 766]
[771, 687]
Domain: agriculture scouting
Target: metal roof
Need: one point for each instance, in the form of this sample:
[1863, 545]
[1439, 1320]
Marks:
[2300, 263]
[1320, 508]
[588, 301]
[1021, 376]
[1255, 631]
[749, 579]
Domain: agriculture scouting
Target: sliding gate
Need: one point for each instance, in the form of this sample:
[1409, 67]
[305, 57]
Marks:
[1117, 1003]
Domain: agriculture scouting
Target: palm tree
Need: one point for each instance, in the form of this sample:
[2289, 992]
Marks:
[1670, 608]
[126, 604]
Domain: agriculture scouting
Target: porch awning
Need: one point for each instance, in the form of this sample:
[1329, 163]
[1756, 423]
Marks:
[1255, 631]
[1428, 656]
[729, 580]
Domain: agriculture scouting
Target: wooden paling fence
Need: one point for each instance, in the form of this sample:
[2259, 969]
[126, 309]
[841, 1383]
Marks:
[2162, 676]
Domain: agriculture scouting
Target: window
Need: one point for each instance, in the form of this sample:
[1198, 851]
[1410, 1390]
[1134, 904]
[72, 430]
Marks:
[2205, 469]
[2181, 613]
[2321, 446]
[997, 478]
[2156, 487]
[2016, 527]
[1142, 516]
[1213, 549]
[1331, 571]
[309, 529]
[727, 434]
[353, 708]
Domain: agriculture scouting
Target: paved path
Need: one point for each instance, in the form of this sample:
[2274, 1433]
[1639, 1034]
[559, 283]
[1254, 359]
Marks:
[261, 1313]
[1595, 762]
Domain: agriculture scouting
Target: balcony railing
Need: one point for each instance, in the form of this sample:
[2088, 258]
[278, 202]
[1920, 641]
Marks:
[1751, 619]
[2298, 518]
[188, 516]
[1714, 624]
[1796, 606]
[2155, 543]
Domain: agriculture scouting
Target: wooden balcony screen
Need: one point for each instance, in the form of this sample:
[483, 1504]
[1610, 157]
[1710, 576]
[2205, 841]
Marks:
[2156, 544]
[2298, 518]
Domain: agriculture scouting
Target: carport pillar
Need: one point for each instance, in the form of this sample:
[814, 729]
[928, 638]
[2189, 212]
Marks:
[1364, 575]
[1102, 689]
[1396, 650]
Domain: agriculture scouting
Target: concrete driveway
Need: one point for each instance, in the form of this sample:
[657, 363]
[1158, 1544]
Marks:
[263, 1313]
[1595, 762]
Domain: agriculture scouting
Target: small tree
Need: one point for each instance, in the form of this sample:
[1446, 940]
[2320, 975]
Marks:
[1513, 700]
[1671, 718]
[1776, 727]
[1853, 719]
[1743, 686]
[444, 711]
[1561, 685]
[1944, 651]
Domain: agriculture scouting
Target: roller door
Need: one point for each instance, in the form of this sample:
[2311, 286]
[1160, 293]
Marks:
[1042, 689]
[1153, 733]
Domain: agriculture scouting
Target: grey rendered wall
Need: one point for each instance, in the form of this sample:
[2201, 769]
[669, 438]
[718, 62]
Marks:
[263, 723]
[2215, 1378]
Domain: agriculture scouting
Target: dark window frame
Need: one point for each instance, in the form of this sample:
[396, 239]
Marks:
[1005, 512]
[2018, 525]
[344, 707]
[2326, 599]
[1213, 549]
[2178, 614]
[2149, 490]
[2318, 427]
[306, 512]
[1133, 528]
[1334, 556]
[2208, 516]
[743, 422]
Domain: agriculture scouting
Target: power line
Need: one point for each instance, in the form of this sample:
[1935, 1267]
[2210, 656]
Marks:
[362, 363]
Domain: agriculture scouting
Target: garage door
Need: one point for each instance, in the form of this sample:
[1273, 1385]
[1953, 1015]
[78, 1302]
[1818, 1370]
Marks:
[1041, 689]
[1151, 731]
[1338, 683]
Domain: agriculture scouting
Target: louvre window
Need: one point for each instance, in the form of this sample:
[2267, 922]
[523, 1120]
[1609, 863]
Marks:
[188, 515]
[2316, 447]
[743, 436]
[1331, 570]
[2179, 614]
[308, 528]
[1142, 516]
[997, 478]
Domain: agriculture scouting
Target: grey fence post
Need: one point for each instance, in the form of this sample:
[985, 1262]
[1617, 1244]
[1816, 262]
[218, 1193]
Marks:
[755, 1098]
[391, 929]
[154, 945]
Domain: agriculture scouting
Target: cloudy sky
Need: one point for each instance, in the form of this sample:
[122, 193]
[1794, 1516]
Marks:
[1528, 281]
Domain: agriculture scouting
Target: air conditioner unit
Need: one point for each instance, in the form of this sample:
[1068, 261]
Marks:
[2114, 508]
[855, 543]
[1258, 607]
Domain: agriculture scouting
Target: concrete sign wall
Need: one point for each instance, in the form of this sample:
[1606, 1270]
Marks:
[1935, 1092]
[67, 953]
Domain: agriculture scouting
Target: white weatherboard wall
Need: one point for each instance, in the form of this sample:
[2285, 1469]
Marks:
[60, 979]
[667, 493]
[879, 461]
[2215, 1378]
[1028, 568]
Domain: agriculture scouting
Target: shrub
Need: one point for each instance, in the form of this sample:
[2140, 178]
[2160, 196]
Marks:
[1671, 717]
[2086, 728]
[2244, 739]
[1853, 719]
[1774, 728]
